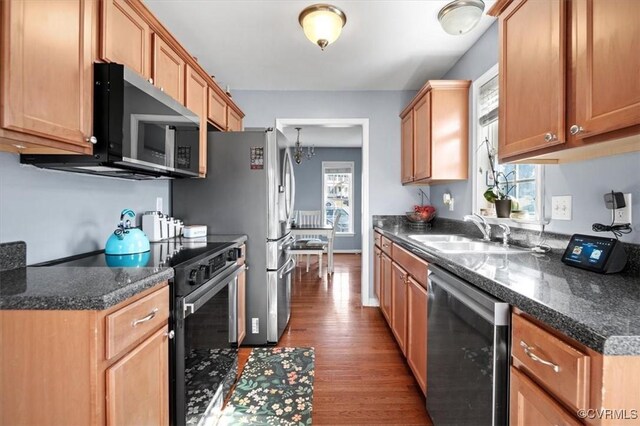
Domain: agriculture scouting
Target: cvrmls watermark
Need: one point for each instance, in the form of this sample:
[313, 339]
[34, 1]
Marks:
[608, 414]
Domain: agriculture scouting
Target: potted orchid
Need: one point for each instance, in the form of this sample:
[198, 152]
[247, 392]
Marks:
[500, 187]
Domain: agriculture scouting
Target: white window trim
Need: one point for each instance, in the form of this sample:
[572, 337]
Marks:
[475, 131]
[338, 164]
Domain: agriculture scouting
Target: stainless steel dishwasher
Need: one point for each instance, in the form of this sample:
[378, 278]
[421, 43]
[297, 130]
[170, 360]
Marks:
[467, 353]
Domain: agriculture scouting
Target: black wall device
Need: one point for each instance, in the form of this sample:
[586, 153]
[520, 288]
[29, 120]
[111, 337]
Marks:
[597, 254]
[614, 200]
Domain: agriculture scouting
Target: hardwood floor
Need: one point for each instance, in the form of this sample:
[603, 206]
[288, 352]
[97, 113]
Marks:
[361, 376]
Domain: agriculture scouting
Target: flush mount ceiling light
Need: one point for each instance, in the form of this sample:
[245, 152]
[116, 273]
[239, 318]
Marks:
[322, 23]
[460, 16]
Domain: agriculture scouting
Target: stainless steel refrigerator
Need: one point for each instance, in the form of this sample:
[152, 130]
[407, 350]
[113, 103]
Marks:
[249, 189]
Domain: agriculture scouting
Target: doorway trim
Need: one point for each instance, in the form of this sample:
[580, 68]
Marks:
[365, 221]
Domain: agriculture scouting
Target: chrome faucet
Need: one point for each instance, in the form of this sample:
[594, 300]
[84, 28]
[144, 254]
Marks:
[506, 232]
[481, 223]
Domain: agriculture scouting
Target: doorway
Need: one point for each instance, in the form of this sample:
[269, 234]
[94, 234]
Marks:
[341, 125]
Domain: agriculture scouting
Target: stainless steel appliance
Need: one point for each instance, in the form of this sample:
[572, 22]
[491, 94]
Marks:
[249, 189]
[468, 353]
[203, 355]
[140, 132]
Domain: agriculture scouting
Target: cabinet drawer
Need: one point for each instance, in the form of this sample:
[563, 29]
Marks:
[385, 245]
[135, 321]
[377, 239]
[415, 266]
[556, 365]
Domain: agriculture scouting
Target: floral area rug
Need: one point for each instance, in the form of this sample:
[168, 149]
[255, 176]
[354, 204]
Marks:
[275, 388]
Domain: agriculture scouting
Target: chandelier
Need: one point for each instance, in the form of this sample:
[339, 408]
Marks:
[298, 152]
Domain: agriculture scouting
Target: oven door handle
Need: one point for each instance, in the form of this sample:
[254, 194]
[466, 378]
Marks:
[202, 295]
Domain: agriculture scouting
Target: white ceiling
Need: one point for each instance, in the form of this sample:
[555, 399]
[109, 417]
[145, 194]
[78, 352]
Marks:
[259, 45]
[323, 136]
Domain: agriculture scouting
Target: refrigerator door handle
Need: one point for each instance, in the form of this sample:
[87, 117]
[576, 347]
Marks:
[292, 260]
[292, 189]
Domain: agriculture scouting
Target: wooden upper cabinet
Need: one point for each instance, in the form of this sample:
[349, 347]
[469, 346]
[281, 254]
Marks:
[417, 331]
[217, 109]
[407, 148]
[532, 76]
[234, 120]
[47, 75]
[126, 37]
[607, 66]
[196, 101]
[168, 69]
[422, 138]
[435, 133]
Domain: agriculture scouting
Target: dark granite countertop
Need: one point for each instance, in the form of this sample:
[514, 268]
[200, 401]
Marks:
[227, 238]
[75, 288]
[600, 311]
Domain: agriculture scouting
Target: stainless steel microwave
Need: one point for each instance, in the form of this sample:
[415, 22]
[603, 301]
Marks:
[140, 131]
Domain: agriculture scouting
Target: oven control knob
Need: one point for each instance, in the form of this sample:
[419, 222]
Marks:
[193, 277]
[204, 271]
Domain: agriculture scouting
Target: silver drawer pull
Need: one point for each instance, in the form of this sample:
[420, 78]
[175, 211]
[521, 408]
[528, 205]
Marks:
[149, 317]
[536, 358]
[385, 245]
[548, 137]
[170, 334]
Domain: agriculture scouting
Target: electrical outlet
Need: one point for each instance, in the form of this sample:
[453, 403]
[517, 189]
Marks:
[158, 204]
[561, 207]
[255, 326]
[623, 215]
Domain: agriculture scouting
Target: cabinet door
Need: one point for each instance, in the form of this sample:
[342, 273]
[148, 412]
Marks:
[399, 302]
[607, 71]
[234, 121]
[530, 405]
[377, 264]
[417, 332]
[422, 139]
[196, 101]
[242, 303]
[217, 109]
[125, 37]
[138, 384]
[532, 76]
[47, 69]
[407, 148]
[168, 69]
[385, 286]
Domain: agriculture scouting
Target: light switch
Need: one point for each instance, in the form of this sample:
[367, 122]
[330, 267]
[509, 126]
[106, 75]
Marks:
[561, 207]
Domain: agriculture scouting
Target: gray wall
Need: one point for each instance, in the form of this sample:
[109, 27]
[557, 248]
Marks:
[586, 181]
[382, 108]
[60, 214]
[309, 189]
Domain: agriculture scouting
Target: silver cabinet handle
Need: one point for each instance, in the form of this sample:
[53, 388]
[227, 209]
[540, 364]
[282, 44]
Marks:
[536, 358]
[162, 89]
[170, 334]
[575, 129]
[385, 245]
[149, 317]
[150, 80]
[92, 139]
[548, 137]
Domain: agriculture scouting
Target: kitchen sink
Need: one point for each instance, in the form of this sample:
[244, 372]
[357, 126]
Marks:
[471, 246]
[427, 239]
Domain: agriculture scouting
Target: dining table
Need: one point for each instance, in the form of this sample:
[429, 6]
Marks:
[318, 230]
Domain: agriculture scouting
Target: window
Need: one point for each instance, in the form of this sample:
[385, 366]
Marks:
[523, 182]
[337, 195]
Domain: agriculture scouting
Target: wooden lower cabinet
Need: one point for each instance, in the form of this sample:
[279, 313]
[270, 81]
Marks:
[399, 302]
[377, 271]
[242, 303]
[417, 331]
[55, 366]
[138, 384]
[530, 405]
[385, 286]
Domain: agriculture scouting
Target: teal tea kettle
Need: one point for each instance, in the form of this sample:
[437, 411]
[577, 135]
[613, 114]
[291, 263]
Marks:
[127, 239]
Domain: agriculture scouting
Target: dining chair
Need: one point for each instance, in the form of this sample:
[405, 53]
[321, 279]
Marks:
[314, 246]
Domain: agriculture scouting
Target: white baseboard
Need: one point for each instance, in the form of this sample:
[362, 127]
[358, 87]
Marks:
[373, 302]
[347, 251]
